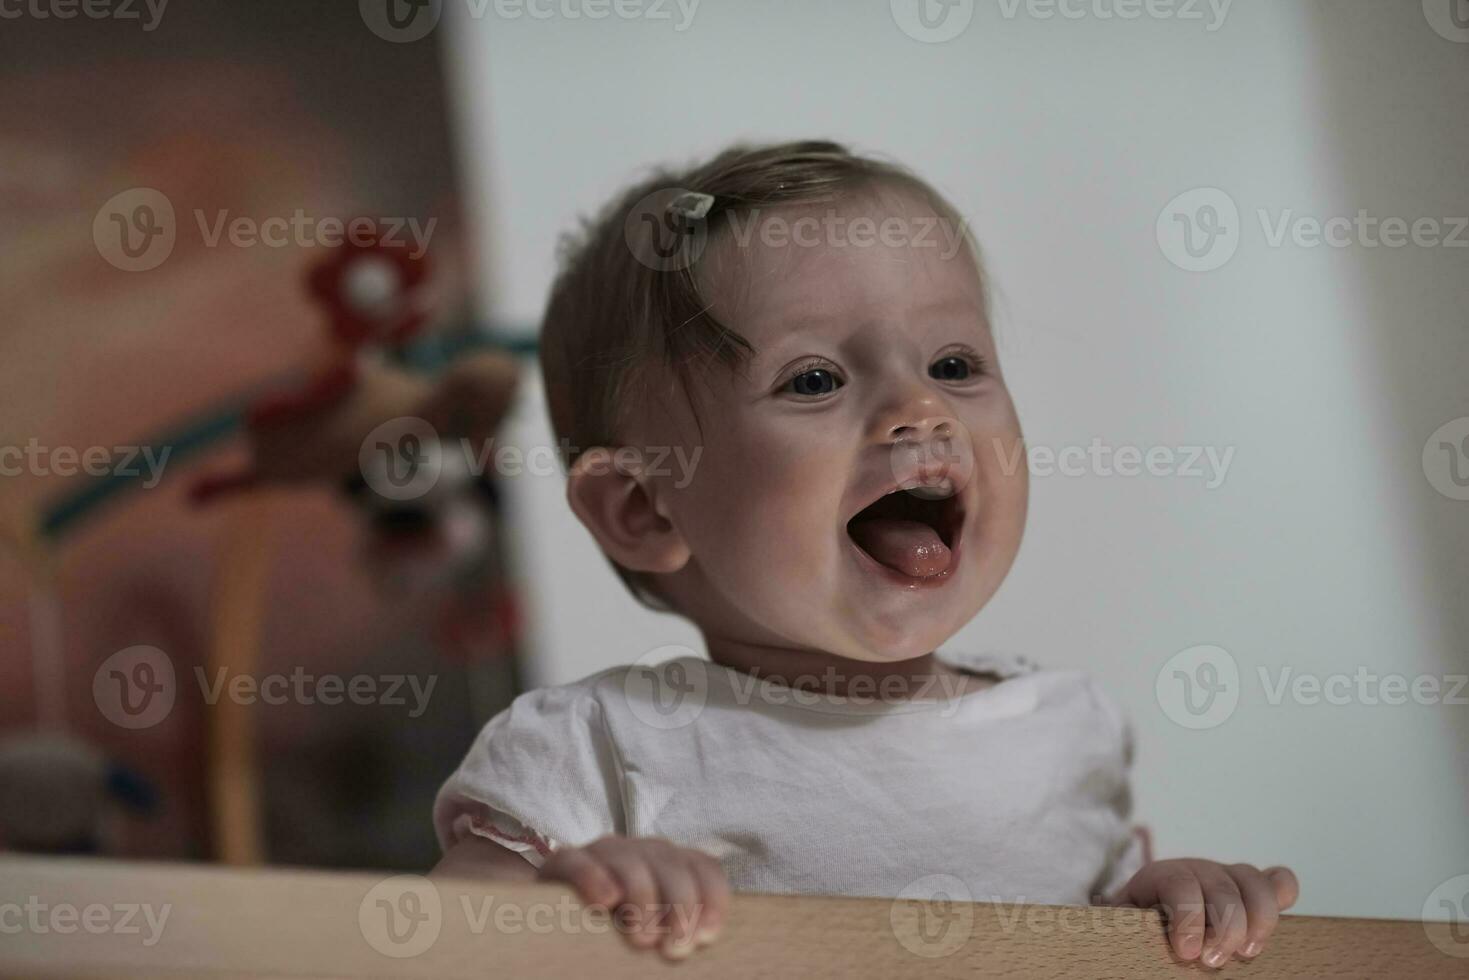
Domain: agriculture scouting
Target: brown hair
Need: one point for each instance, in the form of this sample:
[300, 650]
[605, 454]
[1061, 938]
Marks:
[627, 297]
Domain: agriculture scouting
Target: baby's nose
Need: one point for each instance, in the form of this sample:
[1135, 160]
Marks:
[921, 429]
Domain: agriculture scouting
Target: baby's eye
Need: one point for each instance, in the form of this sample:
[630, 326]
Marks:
[954, 367]
[813, 383]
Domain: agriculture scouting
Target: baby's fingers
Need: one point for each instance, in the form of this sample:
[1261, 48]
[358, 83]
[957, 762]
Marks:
[1287, 888]
[1181, 897]
[1262, 908]
[637, 914]
[680, 905]
[591, 879]
[714, 892]
[1225, 909]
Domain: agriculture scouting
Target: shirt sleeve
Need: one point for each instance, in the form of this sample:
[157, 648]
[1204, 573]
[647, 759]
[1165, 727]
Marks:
[1131, 846]
[541, 774]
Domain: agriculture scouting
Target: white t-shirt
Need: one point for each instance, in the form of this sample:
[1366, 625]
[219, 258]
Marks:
[1019, 790]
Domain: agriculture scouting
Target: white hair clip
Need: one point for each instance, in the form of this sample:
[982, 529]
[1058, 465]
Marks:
[691, 205]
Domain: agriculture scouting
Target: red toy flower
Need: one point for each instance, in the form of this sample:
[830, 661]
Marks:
[370, 290]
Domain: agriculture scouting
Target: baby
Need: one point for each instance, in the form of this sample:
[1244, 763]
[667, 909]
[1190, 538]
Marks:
[810, 328]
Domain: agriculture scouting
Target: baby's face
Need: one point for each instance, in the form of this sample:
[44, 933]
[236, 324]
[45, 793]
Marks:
[874, 370]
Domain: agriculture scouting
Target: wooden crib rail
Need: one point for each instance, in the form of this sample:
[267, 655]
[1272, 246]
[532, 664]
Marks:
[76, 918]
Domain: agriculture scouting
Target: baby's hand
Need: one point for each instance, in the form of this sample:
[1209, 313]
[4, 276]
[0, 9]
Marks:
[663, 895]
[1211, 909]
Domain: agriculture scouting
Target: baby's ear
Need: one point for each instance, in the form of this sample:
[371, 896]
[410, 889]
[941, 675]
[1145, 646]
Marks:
[618, 505]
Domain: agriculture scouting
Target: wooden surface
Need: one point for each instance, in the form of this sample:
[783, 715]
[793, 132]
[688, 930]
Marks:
[276, 923]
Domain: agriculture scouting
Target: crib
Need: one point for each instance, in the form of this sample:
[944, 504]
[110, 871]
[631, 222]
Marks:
[85, 918]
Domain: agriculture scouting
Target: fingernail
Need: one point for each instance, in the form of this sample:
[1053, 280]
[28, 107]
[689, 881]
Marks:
[1252, 949]
[1215, 958]
[677, 949]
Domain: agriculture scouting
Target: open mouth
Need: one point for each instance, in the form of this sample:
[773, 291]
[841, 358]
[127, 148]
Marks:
[911, 532]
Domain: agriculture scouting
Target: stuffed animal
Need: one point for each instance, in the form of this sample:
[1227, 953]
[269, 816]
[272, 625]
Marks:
[361, 422]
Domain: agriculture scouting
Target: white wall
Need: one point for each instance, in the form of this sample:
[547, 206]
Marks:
[1325, 550]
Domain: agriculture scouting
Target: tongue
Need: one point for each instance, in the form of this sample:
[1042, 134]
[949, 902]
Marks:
[910, 547]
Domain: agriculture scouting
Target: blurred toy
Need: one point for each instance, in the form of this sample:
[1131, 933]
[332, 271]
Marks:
[59, 795]
[376, 300]
[408, 447]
